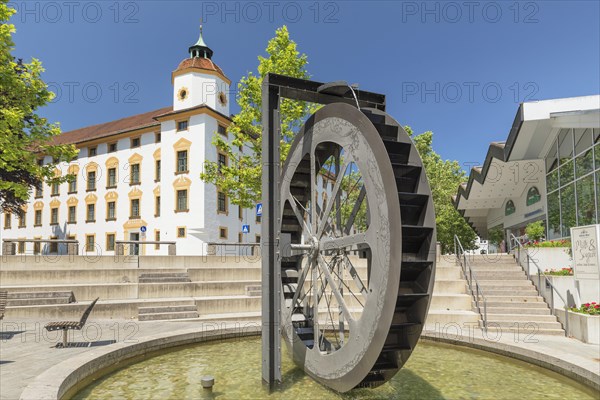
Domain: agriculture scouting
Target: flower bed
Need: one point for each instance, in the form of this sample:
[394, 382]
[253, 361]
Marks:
[549, 243]
[582, 326]
[559, 272]
[588, 308]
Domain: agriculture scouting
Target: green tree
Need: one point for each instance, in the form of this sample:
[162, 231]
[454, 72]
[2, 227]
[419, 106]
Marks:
[241, 180]
[535, 230]
[444, 178]
[24, 135]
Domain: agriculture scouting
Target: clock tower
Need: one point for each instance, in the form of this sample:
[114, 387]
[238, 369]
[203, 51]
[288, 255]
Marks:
[198, 80]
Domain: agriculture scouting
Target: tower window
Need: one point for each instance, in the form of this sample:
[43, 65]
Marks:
[182, 126]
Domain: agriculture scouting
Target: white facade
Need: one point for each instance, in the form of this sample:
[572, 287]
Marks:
[200, 100]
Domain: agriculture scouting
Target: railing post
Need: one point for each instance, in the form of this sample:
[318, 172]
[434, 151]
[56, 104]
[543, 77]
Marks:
[485, 314]
[528, 275]
[566, 320]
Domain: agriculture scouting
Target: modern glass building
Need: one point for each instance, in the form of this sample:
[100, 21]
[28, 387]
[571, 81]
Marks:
[547, 169]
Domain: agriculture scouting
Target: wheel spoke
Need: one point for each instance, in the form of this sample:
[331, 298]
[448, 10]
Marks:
[336, 292]
[354, 274]
[337, 243]
[334, 192]
[355, 210]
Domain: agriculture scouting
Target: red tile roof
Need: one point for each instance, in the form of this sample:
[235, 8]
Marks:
[199, 63]
[111, 128]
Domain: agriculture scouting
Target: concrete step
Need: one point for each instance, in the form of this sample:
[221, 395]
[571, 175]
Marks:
[446, 301]
[522, 292]
[179, 315]
[525, 325]
[523, 331]
[518, 310]
[444, 317]
[38, 295]
[522, 318]
[447, 273]
[165, 279]
[495, 267]
[167, 309]
[500, 275]
[164, 274]
[38, 301]
[514, 298]
[450, 286]
[502, 283]
[529, 303]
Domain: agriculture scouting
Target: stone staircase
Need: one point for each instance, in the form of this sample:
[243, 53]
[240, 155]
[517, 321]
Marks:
[17, 299]
[513, 302]
[164, 277]
[451, 302]
[182, 309]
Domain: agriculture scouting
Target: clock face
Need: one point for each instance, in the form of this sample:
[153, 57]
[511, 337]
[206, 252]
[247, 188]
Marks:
[222, 98]
[183, 94]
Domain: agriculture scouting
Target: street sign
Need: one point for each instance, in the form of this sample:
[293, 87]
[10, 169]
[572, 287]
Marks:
[245, 228]
[143, 229]
[259, 210]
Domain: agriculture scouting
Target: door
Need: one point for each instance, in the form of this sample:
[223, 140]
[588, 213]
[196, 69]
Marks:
[134, 249]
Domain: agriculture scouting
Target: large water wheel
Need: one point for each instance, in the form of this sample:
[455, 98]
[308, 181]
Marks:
[357, 283]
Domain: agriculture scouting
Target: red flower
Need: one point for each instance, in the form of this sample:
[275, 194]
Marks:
[593, 302]
[597, 306]
[587, 304]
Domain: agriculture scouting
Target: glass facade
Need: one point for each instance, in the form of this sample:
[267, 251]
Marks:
[573, 181]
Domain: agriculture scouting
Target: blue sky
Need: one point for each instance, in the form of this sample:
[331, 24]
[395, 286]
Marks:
[459, 69]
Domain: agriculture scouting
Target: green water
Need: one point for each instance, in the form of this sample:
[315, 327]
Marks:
[434, 371]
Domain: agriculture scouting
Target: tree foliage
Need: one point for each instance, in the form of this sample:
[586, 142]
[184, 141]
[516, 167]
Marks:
[444, 178]
[241, 179]
[24, 135]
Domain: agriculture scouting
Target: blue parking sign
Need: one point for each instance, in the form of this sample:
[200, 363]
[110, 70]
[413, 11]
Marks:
[245, 228]
[259, 210]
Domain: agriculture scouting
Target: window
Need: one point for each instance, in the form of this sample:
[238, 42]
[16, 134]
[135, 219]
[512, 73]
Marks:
[37, 247]
[112, 147]
[73, 185]
[55, 189]
[157, 206]
[221, 130]
[222, 232]
[54, 216]
[90, 242]
[258, 219]
[181, 232]
[240, 216]
[111, 179]
[21, 247]
[182, 161]
[91, 213]
[135, 142]
[72, 215]
[222, 161]
[157, 171]
[533, 196]
[22, 219]
[110, 242]
[111, 211]
[38, 218]
[135, 174]
[509, 208]
[182, 126]
[39, 190]
[182, 200]
[157, 137]
[7, 221]
[91, 181]
[221, 202]
[135, 208]
[92, 151]
[156, 239]
[53, 248]
[240, 237]
[253, 248]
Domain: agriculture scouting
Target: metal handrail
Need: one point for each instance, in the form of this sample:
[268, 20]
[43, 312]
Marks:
[470, 277]
[540, 273]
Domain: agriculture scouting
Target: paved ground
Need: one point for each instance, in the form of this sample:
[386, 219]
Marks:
[27, 350]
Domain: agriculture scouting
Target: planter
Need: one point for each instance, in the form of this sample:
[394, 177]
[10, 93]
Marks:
[581, 326]
[548, 258]
[565, 285]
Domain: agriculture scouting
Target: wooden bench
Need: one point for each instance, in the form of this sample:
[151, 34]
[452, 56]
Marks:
[65, 326]
[3, 301]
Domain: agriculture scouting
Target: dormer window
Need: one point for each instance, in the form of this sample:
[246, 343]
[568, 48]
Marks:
[182, 126]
